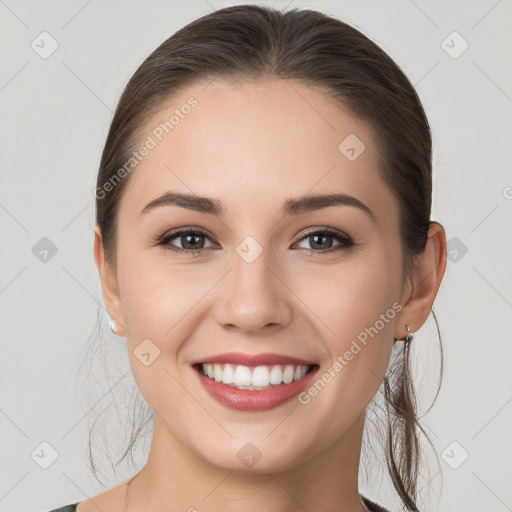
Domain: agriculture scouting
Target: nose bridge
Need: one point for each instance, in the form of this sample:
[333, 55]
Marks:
[252, 296]
[250, 270]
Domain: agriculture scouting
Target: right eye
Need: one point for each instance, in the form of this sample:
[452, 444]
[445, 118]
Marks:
[190, 239]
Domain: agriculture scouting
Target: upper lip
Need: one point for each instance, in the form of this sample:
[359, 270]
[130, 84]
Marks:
[267, 358]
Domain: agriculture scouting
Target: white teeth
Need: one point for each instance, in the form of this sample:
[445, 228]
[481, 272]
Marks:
[260, 377]
[242, 375]
[217, 372]
[288, 374]
[276, 375]
[229, 374]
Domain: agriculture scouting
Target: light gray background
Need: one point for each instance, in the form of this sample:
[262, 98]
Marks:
[54, 117]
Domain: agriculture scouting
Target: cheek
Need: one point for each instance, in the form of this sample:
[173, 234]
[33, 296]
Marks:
[350, 296]
[157, 304]
[162, 302]
[358, 306]
[355, 305]
[154, 290]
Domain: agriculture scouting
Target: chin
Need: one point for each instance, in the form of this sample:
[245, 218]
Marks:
[256, 456]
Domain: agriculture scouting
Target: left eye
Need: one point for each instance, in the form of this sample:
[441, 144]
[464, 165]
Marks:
[190, 240]
[315, 238]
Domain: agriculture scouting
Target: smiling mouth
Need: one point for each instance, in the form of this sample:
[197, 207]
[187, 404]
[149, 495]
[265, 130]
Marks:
[254, 377]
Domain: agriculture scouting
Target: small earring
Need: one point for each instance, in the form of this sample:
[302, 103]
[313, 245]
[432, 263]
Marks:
[409, 336]
[113, 327]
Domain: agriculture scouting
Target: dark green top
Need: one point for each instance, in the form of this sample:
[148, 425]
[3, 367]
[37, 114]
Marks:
[374, 507]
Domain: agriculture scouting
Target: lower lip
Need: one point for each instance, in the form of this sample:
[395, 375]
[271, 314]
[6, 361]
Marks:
[254, 400]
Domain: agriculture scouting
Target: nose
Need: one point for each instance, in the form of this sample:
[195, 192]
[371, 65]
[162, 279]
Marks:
[255, 297]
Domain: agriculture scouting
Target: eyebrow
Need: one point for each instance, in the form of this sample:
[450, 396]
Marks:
[303, 204]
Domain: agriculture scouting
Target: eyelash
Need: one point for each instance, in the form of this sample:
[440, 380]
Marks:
[346, 241]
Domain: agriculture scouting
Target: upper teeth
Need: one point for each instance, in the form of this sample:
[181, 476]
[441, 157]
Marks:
[260, 376]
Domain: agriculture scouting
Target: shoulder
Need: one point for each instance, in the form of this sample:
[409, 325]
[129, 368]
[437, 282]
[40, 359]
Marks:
[66, 508]
[372, 506]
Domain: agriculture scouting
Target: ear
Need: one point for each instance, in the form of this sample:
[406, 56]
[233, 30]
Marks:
[421, 290]
[108, 280]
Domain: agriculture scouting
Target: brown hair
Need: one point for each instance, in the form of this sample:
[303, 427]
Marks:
[251, 42]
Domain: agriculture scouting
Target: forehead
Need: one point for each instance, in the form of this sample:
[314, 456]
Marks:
[254, 145]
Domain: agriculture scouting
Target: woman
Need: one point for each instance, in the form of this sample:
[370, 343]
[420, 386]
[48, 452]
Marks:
[263, 241]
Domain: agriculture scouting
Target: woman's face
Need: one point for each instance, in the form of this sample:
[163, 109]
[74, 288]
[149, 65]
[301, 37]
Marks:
[259, 280]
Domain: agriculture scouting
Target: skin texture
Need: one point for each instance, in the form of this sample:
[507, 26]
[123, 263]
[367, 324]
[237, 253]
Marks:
[252, 146]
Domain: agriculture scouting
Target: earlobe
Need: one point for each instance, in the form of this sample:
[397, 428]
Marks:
[427, 274]
[109, 286]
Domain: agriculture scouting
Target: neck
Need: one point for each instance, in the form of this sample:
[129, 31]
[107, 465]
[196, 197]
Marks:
[174, 478]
